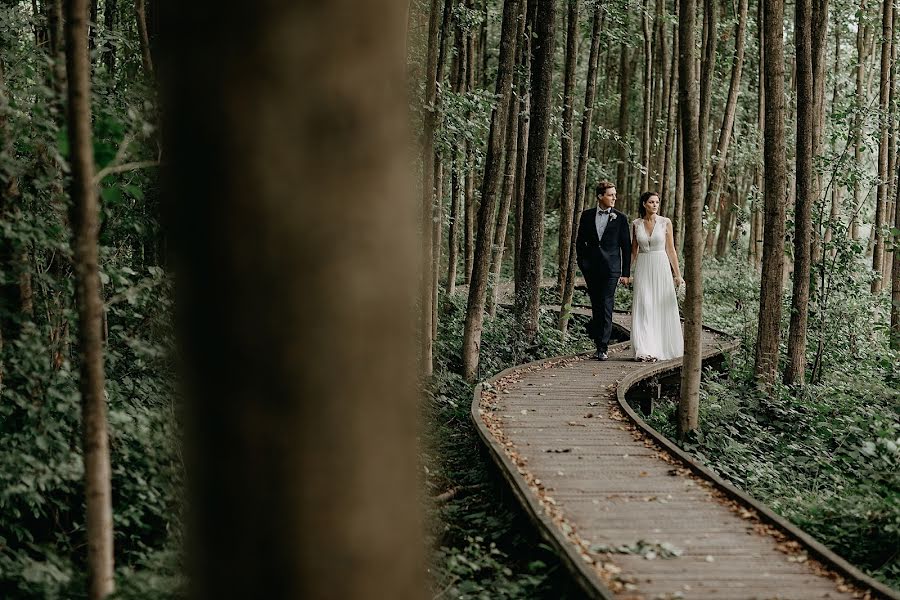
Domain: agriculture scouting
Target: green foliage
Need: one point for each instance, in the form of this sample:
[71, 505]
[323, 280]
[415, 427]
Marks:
[42, 553]
[482, 545]
[825, 455]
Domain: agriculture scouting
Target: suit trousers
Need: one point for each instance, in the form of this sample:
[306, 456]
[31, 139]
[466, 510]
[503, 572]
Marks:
[602, 292]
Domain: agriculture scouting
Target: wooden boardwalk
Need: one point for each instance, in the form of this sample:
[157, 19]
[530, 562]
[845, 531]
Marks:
[630, 514]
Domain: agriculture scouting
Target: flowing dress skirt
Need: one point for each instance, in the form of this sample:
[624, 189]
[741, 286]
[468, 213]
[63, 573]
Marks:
[656, 326]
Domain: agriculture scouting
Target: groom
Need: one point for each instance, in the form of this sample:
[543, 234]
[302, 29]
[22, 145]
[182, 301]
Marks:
[603, 248]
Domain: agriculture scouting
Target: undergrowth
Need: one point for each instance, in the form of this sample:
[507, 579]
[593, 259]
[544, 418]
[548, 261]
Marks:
[482, 544]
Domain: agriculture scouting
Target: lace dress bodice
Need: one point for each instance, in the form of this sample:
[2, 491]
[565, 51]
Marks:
[656, 241]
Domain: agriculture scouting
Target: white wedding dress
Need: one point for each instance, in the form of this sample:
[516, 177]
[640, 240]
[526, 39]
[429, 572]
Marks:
[655, 323]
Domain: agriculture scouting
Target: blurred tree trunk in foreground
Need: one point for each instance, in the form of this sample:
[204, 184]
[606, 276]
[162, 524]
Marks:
[290, 204]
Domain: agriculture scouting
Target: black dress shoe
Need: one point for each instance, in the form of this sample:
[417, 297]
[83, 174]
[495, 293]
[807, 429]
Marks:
[602, 355]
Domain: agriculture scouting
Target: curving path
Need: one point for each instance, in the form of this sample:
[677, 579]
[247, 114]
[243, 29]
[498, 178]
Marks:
[630, 514]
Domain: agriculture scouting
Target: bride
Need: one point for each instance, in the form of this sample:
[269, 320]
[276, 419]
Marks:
[656, 326]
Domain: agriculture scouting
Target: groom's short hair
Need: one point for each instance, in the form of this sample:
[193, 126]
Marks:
[603, 186]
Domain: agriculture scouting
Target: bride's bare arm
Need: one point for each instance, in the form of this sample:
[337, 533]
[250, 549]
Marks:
[634, 248]
[670, 250]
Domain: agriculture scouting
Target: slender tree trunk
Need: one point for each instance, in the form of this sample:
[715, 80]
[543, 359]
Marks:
[662, 90]
[85, 219]
[883, 184]
[833, 214]
[141, 16]
[513, 159]
[859, 100]
[524, 135]
[811, 30]
[567, 140]
[769, 333]
[892, 152]
[273, 515]
[453, 233]
[92, 29]
[426, 293]
[110, 8]
[895, 283]
[758, 212]
[671, 118]
[469, 207]
[438, 216]
[720, 156]
[795, 369]
[678, 218]
[693, 229]
[707, 73]
[493, 172]
[623, 168]
[590, 94]
[528, 303]
[648, 98]
[457, 169]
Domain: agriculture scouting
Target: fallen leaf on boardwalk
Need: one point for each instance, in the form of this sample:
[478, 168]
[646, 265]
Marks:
[575, 424]
[558, 450]
[643, 473]
[710, 558]
[540, 393]
[524, 411]
[589, 416]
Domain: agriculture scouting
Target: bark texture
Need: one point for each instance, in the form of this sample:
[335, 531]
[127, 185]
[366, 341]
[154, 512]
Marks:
[85, 219]
[295, 227]
[493, 172]
[768, 332]
[528, 302]
[689, 105]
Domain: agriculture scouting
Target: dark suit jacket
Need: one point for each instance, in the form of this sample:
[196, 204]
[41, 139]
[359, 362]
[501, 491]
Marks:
[609, 257]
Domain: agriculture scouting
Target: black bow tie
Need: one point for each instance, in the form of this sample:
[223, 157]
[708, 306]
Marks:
[605, 212]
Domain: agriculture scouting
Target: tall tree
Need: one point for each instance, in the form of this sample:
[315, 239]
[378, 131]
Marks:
[140, 11]
[524, 132]
[426, 296]
[85, 220]
[622, 166]
[768, 337]
[810, 20]
[110, 13]
[720, 156]
[881, 201]
[758, 212]
[590, 93]
[859, 101]
[647, 122]
[469, 188]
[707, 73]
[273, 515]
[671, 97]
[689, 109]
[458, 82]
[567, 142]
[895, 287]
[528, 302]
[514, 154]
[490, 187]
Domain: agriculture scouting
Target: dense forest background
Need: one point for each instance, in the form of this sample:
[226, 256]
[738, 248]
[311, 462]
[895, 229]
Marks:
[783, 195]
[42, 527]
[770, 131]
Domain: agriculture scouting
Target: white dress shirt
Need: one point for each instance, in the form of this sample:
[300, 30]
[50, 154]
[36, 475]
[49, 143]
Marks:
[602, 220]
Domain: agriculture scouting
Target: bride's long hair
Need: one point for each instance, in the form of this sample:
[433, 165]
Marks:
[644, 197]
